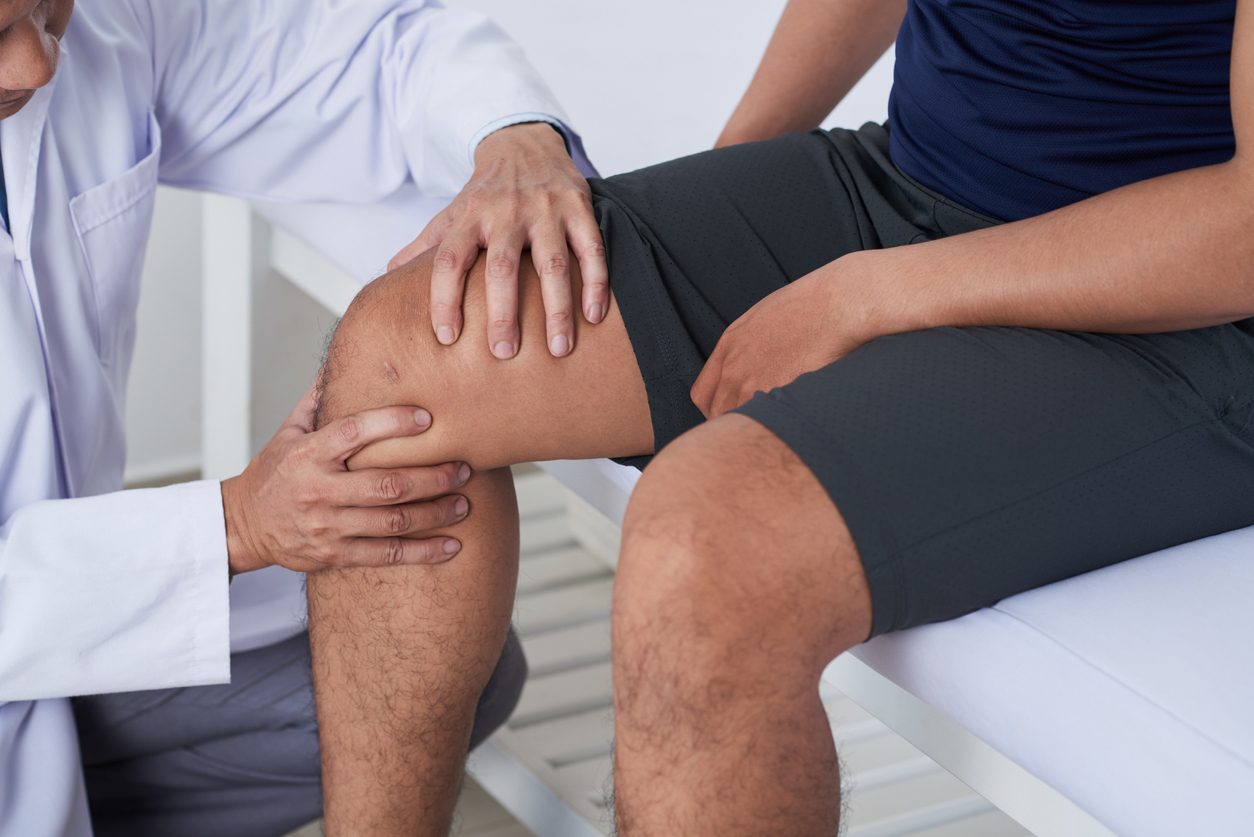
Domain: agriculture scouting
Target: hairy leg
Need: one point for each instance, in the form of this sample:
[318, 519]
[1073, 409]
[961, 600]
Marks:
[725, 614]
[401, 654]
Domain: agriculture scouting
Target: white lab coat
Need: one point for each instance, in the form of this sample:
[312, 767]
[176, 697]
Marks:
[290, 100]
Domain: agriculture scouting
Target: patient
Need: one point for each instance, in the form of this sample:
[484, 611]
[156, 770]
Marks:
[896, 434]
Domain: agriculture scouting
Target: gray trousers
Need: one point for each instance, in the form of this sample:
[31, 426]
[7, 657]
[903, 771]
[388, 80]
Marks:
[239, 759]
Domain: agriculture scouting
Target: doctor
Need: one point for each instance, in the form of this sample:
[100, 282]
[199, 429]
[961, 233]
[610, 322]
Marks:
[103, 592]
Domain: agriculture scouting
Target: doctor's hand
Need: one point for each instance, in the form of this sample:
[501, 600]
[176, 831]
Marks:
[297, 505]
[525, 193]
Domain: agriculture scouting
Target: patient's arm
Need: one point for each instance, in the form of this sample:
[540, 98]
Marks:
[402, 653]
[818, 52]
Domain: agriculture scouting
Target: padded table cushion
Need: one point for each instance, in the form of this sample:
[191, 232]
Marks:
[1130, 690]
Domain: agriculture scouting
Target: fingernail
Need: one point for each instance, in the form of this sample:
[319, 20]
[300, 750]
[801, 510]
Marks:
[559, 345]
[504, 350]
[463, 473]
[422, 417]
[445, 335]
[595, 312]
[460, 507]
[451, 546]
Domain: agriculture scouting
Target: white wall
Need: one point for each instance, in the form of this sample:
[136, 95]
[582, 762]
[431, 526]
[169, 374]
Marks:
[643, 82]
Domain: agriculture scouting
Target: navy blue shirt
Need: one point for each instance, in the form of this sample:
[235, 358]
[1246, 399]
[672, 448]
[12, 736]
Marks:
[1015, 108]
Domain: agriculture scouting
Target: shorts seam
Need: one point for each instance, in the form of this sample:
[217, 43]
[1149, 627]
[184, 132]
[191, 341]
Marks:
[656, 299]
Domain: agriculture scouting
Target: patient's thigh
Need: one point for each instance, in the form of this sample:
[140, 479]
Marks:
[488, 412]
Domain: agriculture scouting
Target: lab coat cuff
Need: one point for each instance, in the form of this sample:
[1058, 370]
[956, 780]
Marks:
[574, 144]
[210, 649]
[115, 593]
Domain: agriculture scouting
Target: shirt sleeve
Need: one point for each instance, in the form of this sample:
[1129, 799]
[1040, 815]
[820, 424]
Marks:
[318, 100]
[113, 593]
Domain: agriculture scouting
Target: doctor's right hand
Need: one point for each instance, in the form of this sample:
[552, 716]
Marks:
[297, 504]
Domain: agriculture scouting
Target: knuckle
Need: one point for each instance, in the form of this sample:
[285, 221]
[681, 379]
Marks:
[302, 452]
[319, 533]
[559, 318]
[502, 322]
[394, 552]
[595, 249]
[579, 194]
[554, 266]
[445, 259]
[306, 496]
[511, 204]
[397, 521]
[501, 266]
[349, 429]
[391, 486]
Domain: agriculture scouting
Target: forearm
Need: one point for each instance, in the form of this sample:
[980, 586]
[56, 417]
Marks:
[819, 50]
[1160, 255]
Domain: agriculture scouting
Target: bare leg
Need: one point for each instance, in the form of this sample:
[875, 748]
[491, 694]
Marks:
[725, 614]
[401, 654]
[725, 611]
[400, 657]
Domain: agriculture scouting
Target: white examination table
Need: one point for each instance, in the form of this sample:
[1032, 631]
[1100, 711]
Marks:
[1129, 691]
[1119, 701]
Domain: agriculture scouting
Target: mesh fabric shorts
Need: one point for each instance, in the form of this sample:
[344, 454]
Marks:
[970, 464]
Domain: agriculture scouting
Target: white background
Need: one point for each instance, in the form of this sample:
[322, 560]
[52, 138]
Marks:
[642, 82]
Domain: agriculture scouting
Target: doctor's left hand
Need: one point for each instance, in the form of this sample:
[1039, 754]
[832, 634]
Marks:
[525, 193]
[297, 504]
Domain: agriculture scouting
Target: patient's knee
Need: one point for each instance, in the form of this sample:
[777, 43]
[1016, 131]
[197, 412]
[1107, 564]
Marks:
[376, 345]
[384, 353]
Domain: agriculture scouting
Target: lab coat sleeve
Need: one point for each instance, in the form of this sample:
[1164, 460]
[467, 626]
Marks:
[112, 593]
[332, 100]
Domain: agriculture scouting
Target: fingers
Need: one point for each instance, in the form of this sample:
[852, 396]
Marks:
[382, 552]
[302, 416]
[725, 400]
[586, 241]
[386, 487]
[431, 235]
[704, 388]
[342, 438]
[404, 519]
[552, 261]
[501, 275]
[457, 253]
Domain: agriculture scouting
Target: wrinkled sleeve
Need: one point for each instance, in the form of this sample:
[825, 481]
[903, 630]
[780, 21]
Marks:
[332, 100]
[119, 592]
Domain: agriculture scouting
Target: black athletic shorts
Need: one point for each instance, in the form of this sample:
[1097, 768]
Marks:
[968, 463]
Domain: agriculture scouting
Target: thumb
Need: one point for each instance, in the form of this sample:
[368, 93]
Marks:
[303, 414]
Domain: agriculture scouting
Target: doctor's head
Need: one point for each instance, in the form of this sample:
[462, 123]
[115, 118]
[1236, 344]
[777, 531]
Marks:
[30, 45]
